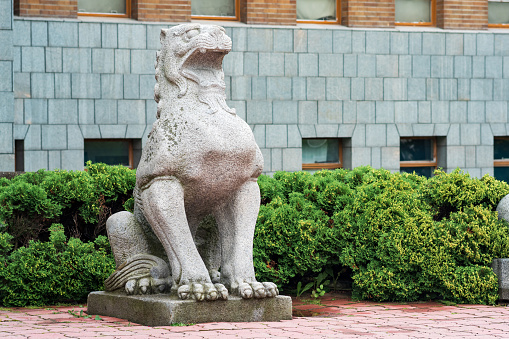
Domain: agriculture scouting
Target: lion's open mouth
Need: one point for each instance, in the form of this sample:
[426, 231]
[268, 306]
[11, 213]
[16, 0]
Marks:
[204, 66]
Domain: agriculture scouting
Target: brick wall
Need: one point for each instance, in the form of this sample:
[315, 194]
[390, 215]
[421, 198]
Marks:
[46, 8]
[462, 14]
[361, 13]
[161, 10]
[276, 12]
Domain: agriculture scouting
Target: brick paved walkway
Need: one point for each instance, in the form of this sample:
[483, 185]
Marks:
[337, 316]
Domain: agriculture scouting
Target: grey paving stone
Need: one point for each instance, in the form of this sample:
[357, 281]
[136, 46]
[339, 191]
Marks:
[106, 112]
[399, 43]
[131, 112]
[276, 159]
[266, 161]
[276, 136]
[103, 60]
[19, 132]
[133, 36]
[458, 111]
[280, 88]
[19, 115]
[271, 64]
[393, 138]
[294, 137]
[494, 67]
[43, 85]
[32, 59]
[63, 85]
[33, 138]
[307, 131]
[300, 40]
[63, 34]
[259, 88]
[476, 112]
[89, 34]
[486, 135]
[378, 42]
[374, 89]
[6, 18]
[122, 61]
[259, 112]
[283, 40]
[113, 131]
[319, 41]
[285, 112]
[390, 158]
[376, 157]
[308, 65]
[292, 159]
[405, 130]
[384, 112]
[86, 86]
[72, 160]
[330, 112]
[53, 59]
[366, 112]
[415, 43]
[462, 67]
[358, 42]
[135, 131]
[416, 89]
[432, 89]
[484, 156]
[346, 131]
[291, 65]
[442, 66]
[147, 83]
[424, 111]
[440, 112]
[233, 63]
[485, 44]
[423, 130]
[405, 112]
[361, 156]
[358, 137]
[74, 137]
[109, 35]
[86, 111]
[7, 107]
[496, 111]
[505, 67]
[36, 111]
[90, 131]
[131, 86]
[481, 89]
[39, 33]
[251, 63]
[470, 134]
[433, 43]
[387, 66]
[405, 66]
[241, 88]
[54, 137]
[395, 89]
[470, 44]
[441, 129]
[421, 66]
[308, 112]
[454, 44]
[478, 67]
[357, 89]
[376, 135]
[349, 112]
[330, 65]
[151, 111]
[54, 160]
[342, 41]
[327, 130]
[501, 43]
[299, 88]
[448, 89]
[338, 88]
[315, 88]
[260, 40]
[239, 39]
[112, 86]
[470, 156]
[463, 89]
[16, 56]
[142, 61]
[366, 66]
[62, 111]
[21, 85]
[35, 160]
[21, 33]
[77, 60]
[154, 35]
[350, 65]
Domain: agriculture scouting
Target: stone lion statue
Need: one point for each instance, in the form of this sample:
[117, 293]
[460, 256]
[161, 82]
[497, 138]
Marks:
[196, 195]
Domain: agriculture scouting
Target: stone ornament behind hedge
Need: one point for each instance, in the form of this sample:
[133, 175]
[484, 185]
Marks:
[196, 195]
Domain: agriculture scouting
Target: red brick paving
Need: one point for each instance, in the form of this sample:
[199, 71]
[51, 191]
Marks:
[334, 316]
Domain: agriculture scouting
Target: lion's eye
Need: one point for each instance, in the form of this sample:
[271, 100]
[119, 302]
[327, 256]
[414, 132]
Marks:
[192, 33]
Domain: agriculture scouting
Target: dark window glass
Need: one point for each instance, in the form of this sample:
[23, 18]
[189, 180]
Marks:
[424, 171]
[502, 173]
[19, 155]
[108, 152]
[416, 150]
[213, 7]
[317, 151]
[501, 149]
[498, 12]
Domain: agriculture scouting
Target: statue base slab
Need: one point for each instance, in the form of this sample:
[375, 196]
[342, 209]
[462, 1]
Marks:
[164, 309]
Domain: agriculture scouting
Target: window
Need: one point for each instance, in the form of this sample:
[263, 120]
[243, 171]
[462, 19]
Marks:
[215, 9]
[19, 155]
[498, 13]
[120, 8]
[415, 12]
[501, 158]
[113, 151]
[419, 155]
[321, 154]
[318, 11]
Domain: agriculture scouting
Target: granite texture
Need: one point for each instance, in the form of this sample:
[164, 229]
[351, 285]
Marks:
[501, 269]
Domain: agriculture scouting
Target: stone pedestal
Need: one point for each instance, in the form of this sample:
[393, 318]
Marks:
[501, 269]
[163, 309]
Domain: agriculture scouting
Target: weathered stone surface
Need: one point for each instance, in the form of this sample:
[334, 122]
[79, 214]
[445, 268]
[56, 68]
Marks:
[503, 208]
[163, 310]
[501, 269]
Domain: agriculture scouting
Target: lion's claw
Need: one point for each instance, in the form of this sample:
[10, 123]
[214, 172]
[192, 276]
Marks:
[200, 292]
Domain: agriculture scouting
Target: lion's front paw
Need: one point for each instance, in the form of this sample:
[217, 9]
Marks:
[147, 286]
[202, 292]
[257, 290]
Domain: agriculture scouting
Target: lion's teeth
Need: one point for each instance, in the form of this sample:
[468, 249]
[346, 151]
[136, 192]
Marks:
[202, 50]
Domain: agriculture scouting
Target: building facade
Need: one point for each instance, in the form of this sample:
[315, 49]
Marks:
[362, 82]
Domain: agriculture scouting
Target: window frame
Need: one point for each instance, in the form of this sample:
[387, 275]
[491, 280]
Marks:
[497, 25]
[322, 22]
[420, 163]
[131, 153]
[433, 22]
[326, 165]
[220, 18]
[111, 15]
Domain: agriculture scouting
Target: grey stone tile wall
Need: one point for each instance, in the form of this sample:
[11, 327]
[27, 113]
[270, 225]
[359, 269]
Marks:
[73, 80]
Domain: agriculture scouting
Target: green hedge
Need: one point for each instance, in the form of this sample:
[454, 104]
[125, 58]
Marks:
[397, 236]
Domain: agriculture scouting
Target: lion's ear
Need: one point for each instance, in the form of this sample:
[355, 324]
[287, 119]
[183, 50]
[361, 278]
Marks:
[164, 32]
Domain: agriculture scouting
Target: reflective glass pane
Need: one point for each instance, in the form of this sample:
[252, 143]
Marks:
[501, 149]
[424, 171]
[102, 6]
[498, 12]
[316, 9]
[213, 7]
[108, 152]
[413, 11]
[502, 173]
[416, 150]
[317, 151]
